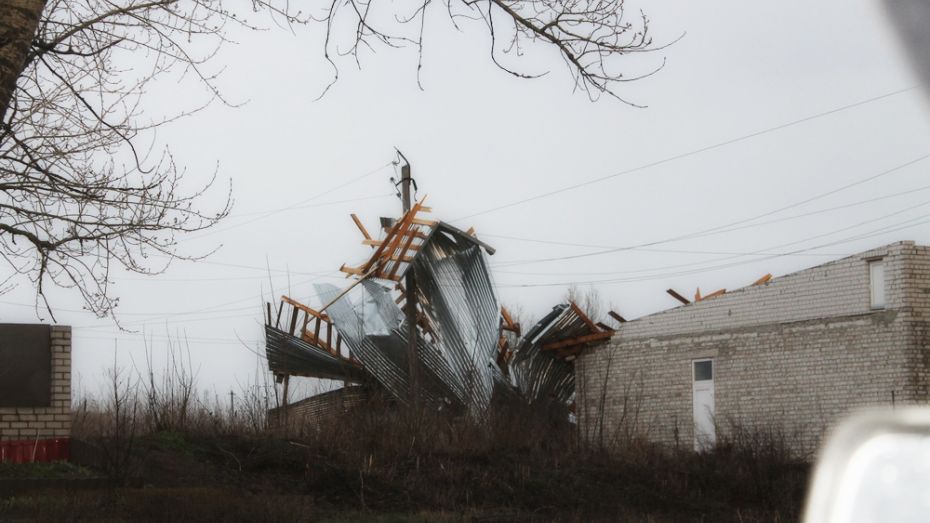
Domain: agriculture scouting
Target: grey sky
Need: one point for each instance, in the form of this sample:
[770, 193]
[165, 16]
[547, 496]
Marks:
[480, 139]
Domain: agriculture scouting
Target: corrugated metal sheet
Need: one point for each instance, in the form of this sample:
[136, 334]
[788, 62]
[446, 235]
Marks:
[459, 326]
[293, 356]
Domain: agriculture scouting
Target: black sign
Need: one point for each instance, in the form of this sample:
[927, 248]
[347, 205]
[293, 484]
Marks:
[25, 365]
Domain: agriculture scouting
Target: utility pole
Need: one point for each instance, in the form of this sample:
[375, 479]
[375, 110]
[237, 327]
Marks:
[410, 292]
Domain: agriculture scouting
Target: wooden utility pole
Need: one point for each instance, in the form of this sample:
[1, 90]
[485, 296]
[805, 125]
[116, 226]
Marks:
[410, 292]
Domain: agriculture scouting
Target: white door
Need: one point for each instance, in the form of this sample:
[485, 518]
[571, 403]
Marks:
[705, 433]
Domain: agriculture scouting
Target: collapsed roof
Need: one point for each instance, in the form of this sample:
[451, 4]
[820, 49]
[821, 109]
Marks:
[468, 346]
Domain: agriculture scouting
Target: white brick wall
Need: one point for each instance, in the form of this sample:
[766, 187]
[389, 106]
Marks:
[45, 422]
[791, 355]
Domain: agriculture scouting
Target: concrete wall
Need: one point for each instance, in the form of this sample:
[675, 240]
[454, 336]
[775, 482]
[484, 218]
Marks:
[790, 356]
[45, 422]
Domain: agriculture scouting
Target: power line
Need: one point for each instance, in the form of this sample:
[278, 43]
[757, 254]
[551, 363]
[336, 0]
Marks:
[736, 225]
[298, 205]
[906, 224]
[687, 154]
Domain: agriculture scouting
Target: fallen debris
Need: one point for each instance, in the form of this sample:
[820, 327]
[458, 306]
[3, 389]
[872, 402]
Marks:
[467, 345]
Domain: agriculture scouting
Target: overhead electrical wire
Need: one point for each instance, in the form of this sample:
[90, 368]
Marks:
[694, 251]
[735, 225]
[686, 154]
[722, 228]
[906, 224]
[299, 205]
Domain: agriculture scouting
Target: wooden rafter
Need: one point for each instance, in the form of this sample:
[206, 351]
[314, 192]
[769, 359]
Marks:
[400, 234]
[330, 341]
[361, 227]
[509, 324]
[678, 297]
[614, 315]
[698, 297]
[584, 317]
[577, 340]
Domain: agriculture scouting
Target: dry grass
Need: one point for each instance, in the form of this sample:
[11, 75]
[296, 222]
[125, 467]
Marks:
[198, 457]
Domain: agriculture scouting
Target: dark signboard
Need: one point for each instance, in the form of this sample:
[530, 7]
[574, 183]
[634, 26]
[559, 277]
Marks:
[25, 365]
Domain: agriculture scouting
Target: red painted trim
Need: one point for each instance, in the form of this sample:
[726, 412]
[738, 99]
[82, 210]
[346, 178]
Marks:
[35, 450]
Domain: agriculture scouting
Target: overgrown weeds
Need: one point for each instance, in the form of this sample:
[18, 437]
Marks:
[517, 461]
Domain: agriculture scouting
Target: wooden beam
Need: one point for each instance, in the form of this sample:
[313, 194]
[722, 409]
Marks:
[677, 296]
[714, 294]
[401, 257]
[588, 338]
[294, 316]
[763, 279]
[399, 230]
[358, 223]
[584, 317]
[388, 239]
[509, 324]
[421, 221]
[605, 326]
[351, 270]
[301, 306]
[616, 316]
[329, 336]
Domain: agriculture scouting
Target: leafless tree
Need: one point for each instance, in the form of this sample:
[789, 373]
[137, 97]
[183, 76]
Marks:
[84, 186]
[591, 36]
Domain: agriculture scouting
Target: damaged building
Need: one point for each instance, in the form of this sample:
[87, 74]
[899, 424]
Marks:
[784, 357]
[467, 350]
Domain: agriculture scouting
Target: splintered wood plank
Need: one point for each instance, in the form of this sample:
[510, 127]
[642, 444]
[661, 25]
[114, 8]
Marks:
[361, 227]
[616, 316]
[714, 294]
[763, 279]
[470, 231]
[421, 221]
[351, 270]
[679, 297]
[587, 338]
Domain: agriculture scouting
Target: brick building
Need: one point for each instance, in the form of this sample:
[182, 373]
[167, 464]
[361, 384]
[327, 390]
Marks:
[785, 357]
[35, 392]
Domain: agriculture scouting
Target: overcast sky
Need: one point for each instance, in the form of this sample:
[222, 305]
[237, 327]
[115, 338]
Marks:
[481, 140]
